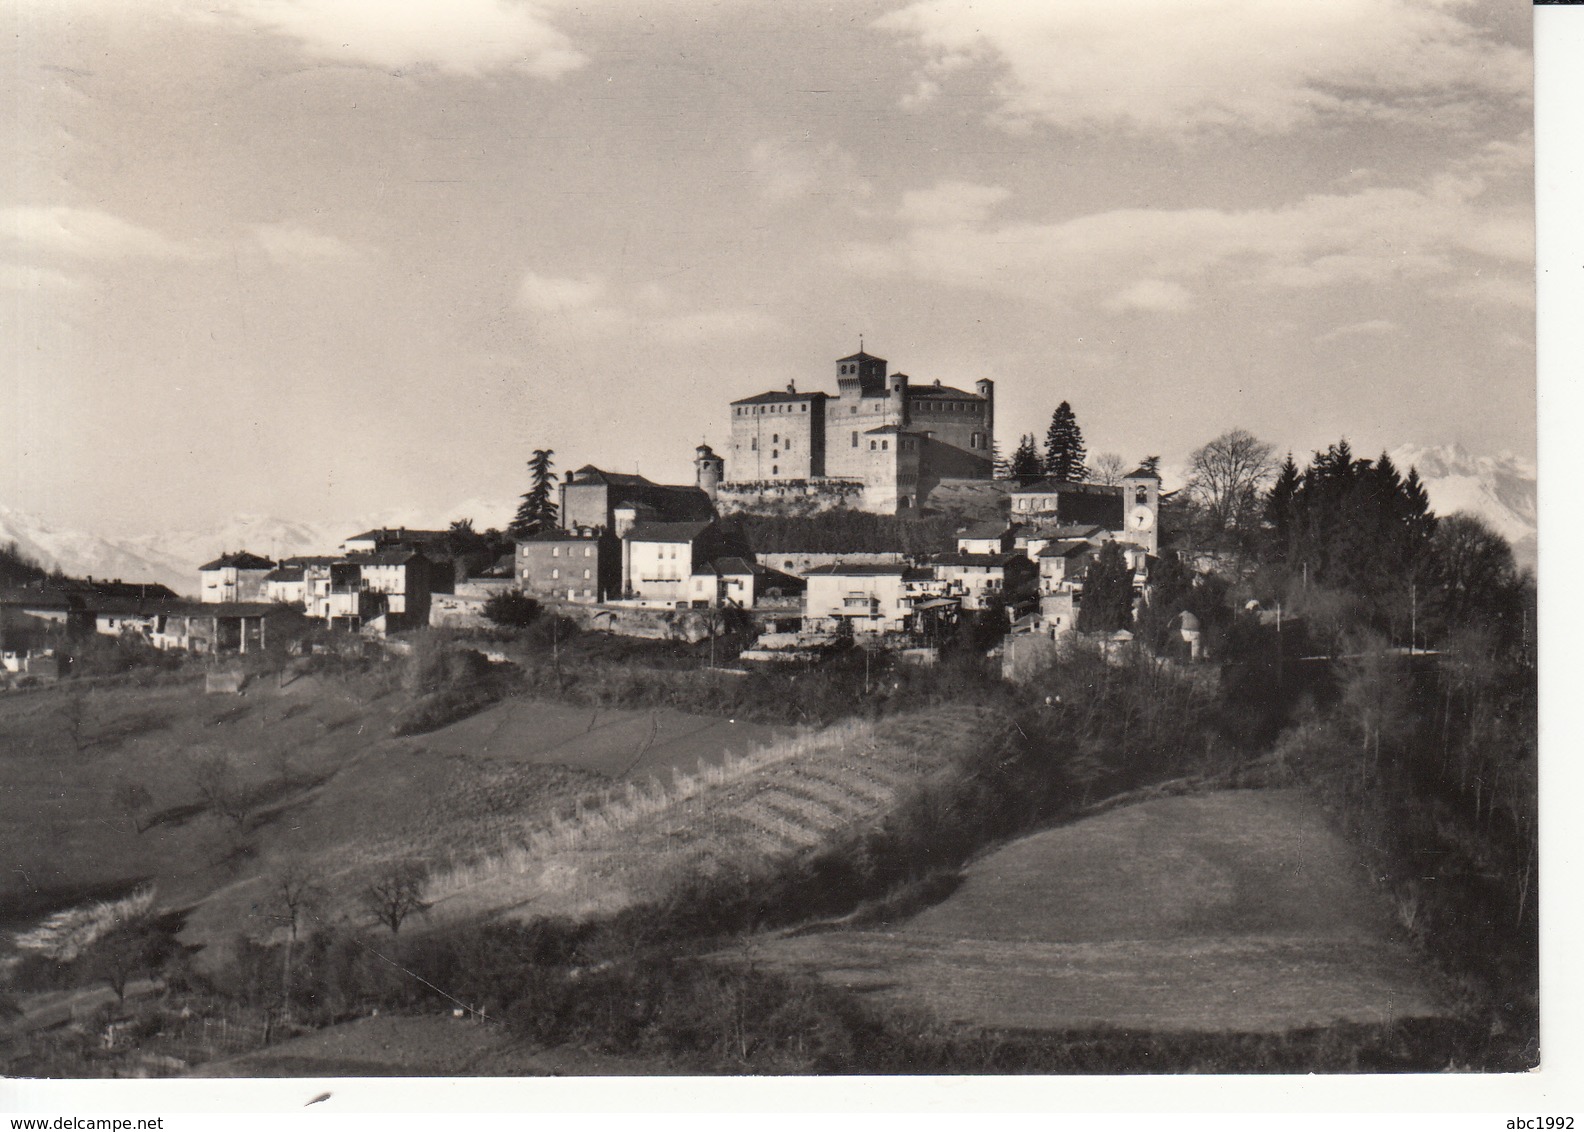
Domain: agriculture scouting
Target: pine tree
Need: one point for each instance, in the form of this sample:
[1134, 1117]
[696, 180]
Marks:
[1001, 467]
[1064, 447]
[1107, 602]
[1025, 461]
[1281, 510]
[538, 510]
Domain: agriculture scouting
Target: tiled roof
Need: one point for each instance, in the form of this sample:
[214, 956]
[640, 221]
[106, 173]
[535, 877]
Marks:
[241, 560]
[1067, 548]
[393, 557]
[777, 395]
[974, 559]
[1056, 487]
[860, 356]
[939, 390]
[859, 569]
[667, 532]
[399, 535]
[993, 528]
[588, 473]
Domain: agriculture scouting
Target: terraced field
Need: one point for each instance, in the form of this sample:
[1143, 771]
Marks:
[1238, 911]
[784, 798]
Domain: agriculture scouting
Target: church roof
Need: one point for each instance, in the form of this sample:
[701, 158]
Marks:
[667, 532]
[860, 356]
[1142, 473]
[588, 473]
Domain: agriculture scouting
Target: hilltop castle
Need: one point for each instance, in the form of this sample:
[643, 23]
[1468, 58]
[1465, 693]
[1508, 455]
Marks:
[880, 436]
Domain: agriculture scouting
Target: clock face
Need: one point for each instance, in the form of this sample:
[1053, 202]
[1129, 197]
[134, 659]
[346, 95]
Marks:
[1141, 519]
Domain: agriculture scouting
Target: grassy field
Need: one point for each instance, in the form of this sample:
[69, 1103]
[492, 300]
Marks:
[1234, 911]
[324, 778]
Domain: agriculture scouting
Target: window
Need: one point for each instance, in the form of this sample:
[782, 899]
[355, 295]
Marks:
[885, 445]
[855, 440]
[775, 453]
[871, 446]
[753, 444]
[973, 441]
[587, 574]
[805, 406]
[774, 470]
[854, 409]
[775, 438]
[555, 552]
[556, 573]
[588, 552]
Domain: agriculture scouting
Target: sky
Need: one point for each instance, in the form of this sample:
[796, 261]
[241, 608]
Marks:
[323, 258]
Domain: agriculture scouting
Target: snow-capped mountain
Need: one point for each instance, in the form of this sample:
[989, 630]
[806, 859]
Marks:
[1499, 489]
[83, 554]
[173, 556]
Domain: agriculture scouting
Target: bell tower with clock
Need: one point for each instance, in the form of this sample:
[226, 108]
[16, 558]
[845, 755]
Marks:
[1141, 509]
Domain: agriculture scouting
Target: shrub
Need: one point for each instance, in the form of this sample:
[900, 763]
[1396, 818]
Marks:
[512, 610]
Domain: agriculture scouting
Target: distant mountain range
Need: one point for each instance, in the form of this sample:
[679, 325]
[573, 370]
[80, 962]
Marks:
[173, 556]
[1499, 489]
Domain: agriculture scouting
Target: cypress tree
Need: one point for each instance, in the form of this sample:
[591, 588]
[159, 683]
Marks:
[538, 510]
[1107, 602]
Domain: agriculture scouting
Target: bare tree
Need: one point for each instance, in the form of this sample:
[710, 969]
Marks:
[133, 800]
[396, 892]
[296, 893]
[222, 792]
[1226, 479]
[1107, 468]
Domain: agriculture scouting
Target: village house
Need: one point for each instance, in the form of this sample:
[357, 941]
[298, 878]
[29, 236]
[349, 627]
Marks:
[27, 643]
[994, 537]
[211, 628]
[582, 564]
[735, 582]
[867, 598]
[659, 561]
[982, 580]
[234, 577]
[294, 580]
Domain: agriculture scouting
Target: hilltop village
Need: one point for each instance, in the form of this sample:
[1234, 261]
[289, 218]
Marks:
[634, 557]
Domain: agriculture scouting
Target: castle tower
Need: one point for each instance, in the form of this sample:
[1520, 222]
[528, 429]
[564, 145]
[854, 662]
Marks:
[986, 389]
[1141, 509]
[710, 469]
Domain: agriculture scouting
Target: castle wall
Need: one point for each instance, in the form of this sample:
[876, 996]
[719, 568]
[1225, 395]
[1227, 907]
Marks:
[777, 440]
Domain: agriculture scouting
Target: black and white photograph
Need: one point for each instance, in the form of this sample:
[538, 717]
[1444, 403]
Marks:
[703, 539]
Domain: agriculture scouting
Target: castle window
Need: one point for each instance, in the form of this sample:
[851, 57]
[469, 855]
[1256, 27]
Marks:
[774, 471]
[885, 445]
[775, 453]
[775, 438]
[871, 446]
[588, 552]
[753, 444]
[555, 573]
[855, 440]
[854, 409]
[973, 441]
[805, 406]
[555, 552]
[586, 574]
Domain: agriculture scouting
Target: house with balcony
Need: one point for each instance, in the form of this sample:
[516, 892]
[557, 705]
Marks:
[981, 581]
[863, 598]
[234, 577]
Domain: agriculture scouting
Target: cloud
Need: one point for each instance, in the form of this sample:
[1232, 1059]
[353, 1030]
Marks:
[1151, 295]
[86, 233]
[21, 277]
[1154, 259]
[551, 295]
[792, 169]
[590, 307]
[460, 37]
[1178, 66]
[288, 243]
[1369, 327]
[951, 202]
